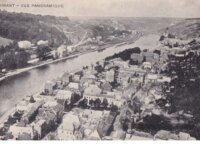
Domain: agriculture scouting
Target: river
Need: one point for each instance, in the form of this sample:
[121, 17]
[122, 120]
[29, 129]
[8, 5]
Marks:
[17, 87]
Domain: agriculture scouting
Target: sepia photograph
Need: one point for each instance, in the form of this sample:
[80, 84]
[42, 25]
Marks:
[100, 70]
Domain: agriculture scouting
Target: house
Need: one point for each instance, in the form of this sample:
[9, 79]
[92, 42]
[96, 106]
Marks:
[92, 90]
[59, 84]
[65, 78]
[106, 87]
[129, 91]
[43, 43]
[90, 118]
[24, 136]
[180, 53]
[24, 44]
[120, 63]
[70, 123]
[185, 136]
[88, 78]
[111, 99]
[29, 115]
[110, 75]
[105, 125]
[16, 131]
[76, 78]
[117, 94]
[164, 79]
[49, 87]
[156, 94]
[64, 96]
[123, 77]
[162, 134]
[22, 106]
[167, 135]
[50, 103]
[156, 57]
[137, 57]
[62, 51]
[93, 135]
[152, 77]
[50, 116]
[73, 85]
[40, 128]
[119, 135]
[148, 56]
[147, 65]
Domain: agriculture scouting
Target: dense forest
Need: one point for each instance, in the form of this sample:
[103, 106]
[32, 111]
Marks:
[22, 26]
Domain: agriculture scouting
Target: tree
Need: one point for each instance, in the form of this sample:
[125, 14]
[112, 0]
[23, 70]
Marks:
[8, 60]
[144, 59]
[2, 50]
[161, 38]
[124, 123]
[170, 35]
[98, 68]
[75, 98]
[157, 52]
[105, 103]
[196, 131]
[91, 103]
[114, 108]
[42, 51]
[136, 105]
[83, 103]
[22, 58]
[97, 103]
[32, 100]
[11, 120]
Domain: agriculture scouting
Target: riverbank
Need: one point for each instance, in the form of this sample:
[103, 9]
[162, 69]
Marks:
[22, 70]
[19, 71]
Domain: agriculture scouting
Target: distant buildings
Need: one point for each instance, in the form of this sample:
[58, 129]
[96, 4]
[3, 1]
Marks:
[43, 43]
[24, 44]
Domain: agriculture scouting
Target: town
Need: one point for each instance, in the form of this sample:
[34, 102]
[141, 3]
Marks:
[134, 94]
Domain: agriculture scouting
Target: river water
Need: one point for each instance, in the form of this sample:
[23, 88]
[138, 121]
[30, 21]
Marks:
[17, 87]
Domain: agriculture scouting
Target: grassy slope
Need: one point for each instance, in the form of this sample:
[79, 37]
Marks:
[189, 28]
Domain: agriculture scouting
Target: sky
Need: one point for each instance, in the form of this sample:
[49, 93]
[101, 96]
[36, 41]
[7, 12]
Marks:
[112, 8]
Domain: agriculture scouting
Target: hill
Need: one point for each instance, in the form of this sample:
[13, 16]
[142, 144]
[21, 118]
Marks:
[22, 26]
[188, 28]
[62, 30]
